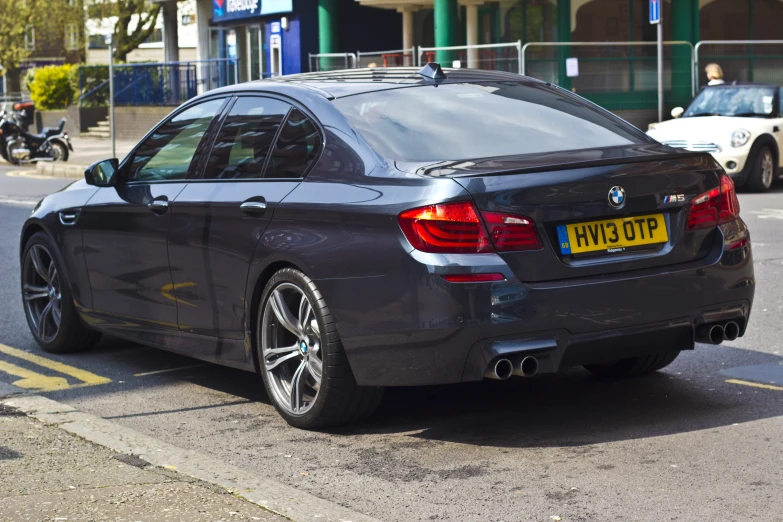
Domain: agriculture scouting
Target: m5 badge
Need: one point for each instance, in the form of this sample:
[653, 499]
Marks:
[674, 198]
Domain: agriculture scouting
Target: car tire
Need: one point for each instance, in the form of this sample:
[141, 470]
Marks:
[634, 366]
[762, 174]
[52, 318]
[334, 399]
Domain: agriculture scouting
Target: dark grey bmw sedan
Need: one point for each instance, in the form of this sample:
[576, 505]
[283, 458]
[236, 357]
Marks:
[340, 232]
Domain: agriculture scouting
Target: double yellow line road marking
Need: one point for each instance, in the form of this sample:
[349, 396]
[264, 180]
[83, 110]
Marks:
[32, 380]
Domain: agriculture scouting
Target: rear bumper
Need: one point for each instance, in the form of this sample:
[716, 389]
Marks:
[413, 328]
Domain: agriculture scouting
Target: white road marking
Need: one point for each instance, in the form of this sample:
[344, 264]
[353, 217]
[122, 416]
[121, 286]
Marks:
[769, 213]
[13, 201]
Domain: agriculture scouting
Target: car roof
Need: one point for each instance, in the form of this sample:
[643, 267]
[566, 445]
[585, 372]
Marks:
[347, 82]
[743, 84]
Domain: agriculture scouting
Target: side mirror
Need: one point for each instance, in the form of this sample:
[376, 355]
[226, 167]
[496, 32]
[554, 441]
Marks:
[677, 112]
[102, 173]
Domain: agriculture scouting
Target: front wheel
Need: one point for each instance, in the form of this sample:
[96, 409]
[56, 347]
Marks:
[48, 305]
[634, 366]
[763, 170]
[305, 370]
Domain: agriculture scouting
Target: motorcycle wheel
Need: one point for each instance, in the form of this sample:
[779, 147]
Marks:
[58, 151]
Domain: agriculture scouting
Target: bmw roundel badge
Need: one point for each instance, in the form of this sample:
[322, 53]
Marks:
[617, 196]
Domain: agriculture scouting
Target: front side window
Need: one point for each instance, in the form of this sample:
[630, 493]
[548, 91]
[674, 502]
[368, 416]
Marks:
[167, 154]
[243, 143]
[480, 120]
[732, 100]
[296, 147]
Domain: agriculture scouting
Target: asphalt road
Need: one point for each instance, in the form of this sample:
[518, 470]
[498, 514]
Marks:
[683, 444]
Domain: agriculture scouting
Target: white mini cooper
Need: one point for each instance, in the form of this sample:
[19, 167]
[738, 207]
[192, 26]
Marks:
[740, 124]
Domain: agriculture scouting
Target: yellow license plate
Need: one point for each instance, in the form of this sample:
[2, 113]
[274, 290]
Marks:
[612, 235]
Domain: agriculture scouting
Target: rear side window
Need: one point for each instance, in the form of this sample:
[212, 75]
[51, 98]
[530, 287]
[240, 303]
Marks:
[296, 147]
[480, 120]
[245, 138]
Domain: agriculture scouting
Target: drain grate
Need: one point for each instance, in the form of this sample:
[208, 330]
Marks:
[132, 460]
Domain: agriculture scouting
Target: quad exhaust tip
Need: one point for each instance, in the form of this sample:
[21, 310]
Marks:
[501, 370]
[731, 331]
[527, 367]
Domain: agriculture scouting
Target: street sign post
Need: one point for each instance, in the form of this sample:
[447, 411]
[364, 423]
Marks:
[656, 17]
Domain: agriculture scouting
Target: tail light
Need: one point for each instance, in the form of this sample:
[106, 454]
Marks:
[716, 206]
[446, 228]
[457, 228]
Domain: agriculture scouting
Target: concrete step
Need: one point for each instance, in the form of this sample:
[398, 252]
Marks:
[104, 124]
[95, 133]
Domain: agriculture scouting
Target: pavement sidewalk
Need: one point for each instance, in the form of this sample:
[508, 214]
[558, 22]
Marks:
[50, 474]
[86, 151]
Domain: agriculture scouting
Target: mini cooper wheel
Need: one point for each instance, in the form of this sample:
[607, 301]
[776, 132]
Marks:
[49, 308]
[305, 370]
[762, 174]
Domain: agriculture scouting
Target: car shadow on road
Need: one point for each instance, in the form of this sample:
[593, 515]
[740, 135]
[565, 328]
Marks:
[572, 408]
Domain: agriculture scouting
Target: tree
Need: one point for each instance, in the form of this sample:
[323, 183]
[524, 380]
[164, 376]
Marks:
[135, 22]
[14, 18]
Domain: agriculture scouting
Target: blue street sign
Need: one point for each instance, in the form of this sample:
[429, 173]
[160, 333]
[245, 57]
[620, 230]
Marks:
[655, 11]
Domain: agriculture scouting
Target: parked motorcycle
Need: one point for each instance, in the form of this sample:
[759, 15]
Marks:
[19, 146]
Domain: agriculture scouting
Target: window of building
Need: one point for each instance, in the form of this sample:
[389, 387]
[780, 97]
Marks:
[168, 152]
[71, 37]
[29, 38]
[243, 143]
[530, 21]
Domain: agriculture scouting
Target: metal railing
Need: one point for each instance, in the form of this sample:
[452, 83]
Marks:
[492, 57]
[394, 58]
[331, 61]
[169, 83]
[741, 60]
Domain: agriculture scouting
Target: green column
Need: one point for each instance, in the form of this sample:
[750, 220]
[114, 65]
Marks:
[563, 35]
[327, 26]
[683, 16]
[446, 21]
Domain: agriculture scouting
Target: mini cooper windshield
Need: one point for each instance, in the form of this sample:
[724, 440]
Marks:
[733, 101]
[480, 120]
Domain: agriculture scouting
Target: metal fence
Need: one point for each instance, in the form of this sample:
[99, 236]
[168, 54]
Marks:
[491, 57]
[741, 60]
[154, 83]
[619, 75]
[394, 58]
[331, 61]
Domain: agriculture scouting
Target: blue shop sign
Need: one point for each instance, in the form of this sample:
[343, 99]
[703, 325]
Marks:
[224, 10]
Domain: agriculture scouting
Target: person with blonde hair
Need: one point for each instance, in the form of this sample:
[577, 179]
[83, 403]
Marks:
[714, 74]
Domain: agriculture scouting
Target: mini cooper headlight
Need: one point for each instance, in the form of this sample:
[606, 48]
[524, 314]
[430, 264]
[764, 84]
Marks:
[739, 137]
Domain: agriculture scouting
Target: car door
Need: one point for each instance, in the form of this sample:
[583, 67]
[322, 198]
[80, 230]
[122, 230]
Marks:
[777, 128]
[125, 227]
[261, 153]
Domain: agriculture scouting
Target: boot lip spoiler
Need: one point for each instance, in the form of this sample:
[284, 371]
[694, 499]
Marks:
[553, 161]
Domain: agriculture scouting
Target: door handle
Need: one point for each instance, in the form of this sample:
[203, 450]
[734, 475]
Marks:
[254, 208]
[159, 206]
[69, 217]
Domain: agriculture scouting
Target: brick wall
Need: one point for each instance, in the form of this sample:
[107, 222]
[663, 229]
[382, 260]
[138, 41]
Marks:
[132, 123]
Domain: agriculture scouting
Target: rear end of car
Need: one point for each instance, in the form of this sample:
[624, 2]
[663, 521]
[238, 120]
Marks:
[574, 241]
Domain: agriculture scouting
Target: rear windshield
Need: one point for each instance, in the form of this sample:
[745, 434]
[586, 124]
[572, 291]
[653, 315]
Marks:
[480, 120]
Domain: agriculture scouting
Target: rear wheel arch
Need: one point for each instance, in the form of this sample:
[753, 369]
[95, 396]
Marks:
[255, 297]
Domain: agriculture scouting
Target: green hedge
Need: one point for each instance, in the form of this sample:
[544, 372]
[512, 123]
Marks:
[52, 88]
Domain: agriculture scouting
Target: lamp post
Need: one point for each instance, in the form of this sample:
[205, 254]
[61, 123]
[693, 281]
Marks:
[110, 41]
